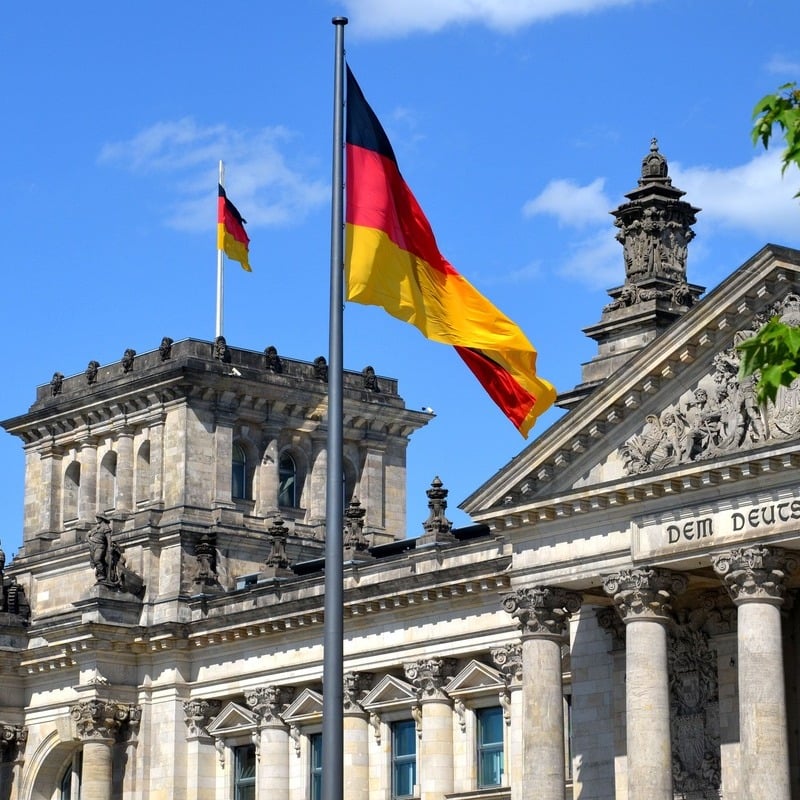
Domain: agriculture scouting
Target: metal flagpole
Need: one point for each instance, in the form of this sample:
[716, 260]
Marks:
[333, 651]
[220, 266]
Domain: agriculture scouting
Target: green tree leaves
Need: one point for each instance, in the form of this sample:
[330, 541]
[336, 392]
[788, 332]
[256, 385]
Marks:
[773, 353]
[781, 109]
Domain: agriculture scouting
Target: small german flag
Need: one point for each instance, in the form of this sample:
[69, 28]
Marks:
[231, 235]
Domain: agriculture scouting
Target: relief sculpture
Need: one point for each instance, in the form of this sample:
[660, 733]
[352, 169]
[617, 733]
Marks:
[721, 415]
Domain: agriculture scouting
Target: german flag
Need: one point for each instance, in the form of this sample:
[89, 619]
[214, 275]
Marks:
[392, 261]
[231, 235]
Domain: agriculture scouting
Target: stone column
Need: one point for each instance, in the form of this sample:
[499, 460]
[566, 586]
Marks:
[356, 736]
[97, 723]
[756, 581]
[87, 496]
[435, 763]
[542, 613]
[200, 760]
[371, 484]
[223, 457]
[316, 484]
[508, 660]
[268, 477]
[12, 743]
[157, 463]
[267, 702]
[643, 597]
[50, 508]
[124, 490]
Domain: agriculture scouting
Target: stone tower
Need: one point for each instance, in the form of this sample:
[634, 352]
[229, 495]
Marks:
[654, 229]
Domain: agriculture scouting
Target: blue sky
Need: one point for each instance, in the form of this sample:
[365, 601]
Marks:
[518, 124]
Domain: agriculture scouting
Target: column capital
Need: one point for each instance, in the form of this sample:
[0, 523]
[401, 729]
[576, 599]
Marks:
[755, 574]
[644, 592]
[354, 687]
[542, 611]
[12, 739]
[429, 675]
[101, 720]
[267, 702]
[198, 714]
[508, 659]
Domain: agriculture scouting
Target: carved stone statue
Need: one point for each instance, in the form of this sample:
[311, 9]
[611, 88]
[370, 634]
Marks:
[370, 379]
[165, 348]
[91, 372]
[321, 368]
[56, 382]
[99, 540]
[221, 352]
[272, 361]
[127, 360]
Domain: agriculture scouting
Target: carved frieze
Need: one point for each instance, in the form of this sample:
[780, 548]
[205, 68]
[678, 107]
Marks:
[720, 414]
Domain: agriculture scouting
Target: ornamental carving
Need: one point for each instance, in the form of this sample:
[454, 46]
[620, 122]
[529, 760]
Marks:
[508, 659]
[429, 675]
[694, 710]
[438, 528]
[102, 719]
[354, 686]
[755, 573]
[644, 593]
[12, 740]
[720, 414]
[205, 554]
[267, 702]
[353, 538]
[542, 610]
[199, 714]
[108, 560]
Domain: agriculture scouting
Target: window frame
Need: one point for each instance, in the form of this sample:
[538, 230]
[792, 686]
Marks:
[484, 748]
[402, 761]
[244, 788]
[239, 466]
[290, 475]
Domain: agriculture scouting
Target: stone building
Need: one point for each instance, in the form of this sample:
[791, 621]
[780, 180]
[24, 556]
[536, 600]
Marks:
[617, 623]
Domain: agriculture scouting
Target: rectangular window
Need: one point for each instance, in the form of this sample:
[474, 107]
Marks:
[404, 758]
[315, 765]
[244, 772]
[490, 747]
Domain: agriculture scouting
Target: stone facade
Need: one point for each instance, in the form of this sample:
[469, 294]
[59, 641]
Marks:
[617, 624]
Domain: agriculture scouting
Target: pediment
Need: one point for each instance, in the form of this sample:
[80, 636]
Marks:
[231, 720]
[306, 707]
[390, 692]
[675, 417]
[475, 679]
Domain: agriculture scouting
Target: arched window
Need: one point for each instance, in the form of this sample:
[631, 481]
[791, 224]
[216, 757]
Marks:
[72, 487]
[239, 487]
[287, 482]
[107, 482]
[143, 475]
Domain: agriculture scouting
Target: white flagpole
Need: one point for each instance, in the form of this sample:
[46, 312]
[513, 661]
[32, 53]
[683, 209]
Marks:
[220, 289]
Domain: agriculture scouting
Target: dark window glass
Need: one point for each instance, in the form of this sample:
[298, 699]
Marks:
[239, 474]
[287, 482]
[244, 772]
[315, 761]
[490, 747]
[404, 758]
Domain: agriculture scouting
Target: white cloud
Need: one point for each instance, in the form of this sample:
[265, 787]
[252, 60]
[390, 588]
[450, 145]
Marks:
[781, 65]
[383, 19]
[572, 205]
[751, 197]
[268, 190]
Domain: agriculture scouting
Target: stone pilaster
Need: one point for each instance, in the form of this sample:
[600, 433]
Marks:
[542, 612]
[508, 660]
[51, 471]
[87, 497]
[756, 581]
[97, 723]
[371, 483]
[267, 702]
[200, 761]
[356, 736]
[429, 676]
[155, 491]
[317, 480]
[643, 597]
[123, 501]
[268, 477]
[223, 456]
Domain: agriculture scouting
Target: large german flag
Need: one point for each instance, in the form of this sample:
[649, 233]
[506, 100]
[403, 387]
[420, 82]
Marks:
[231, 235]
[392, 261]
